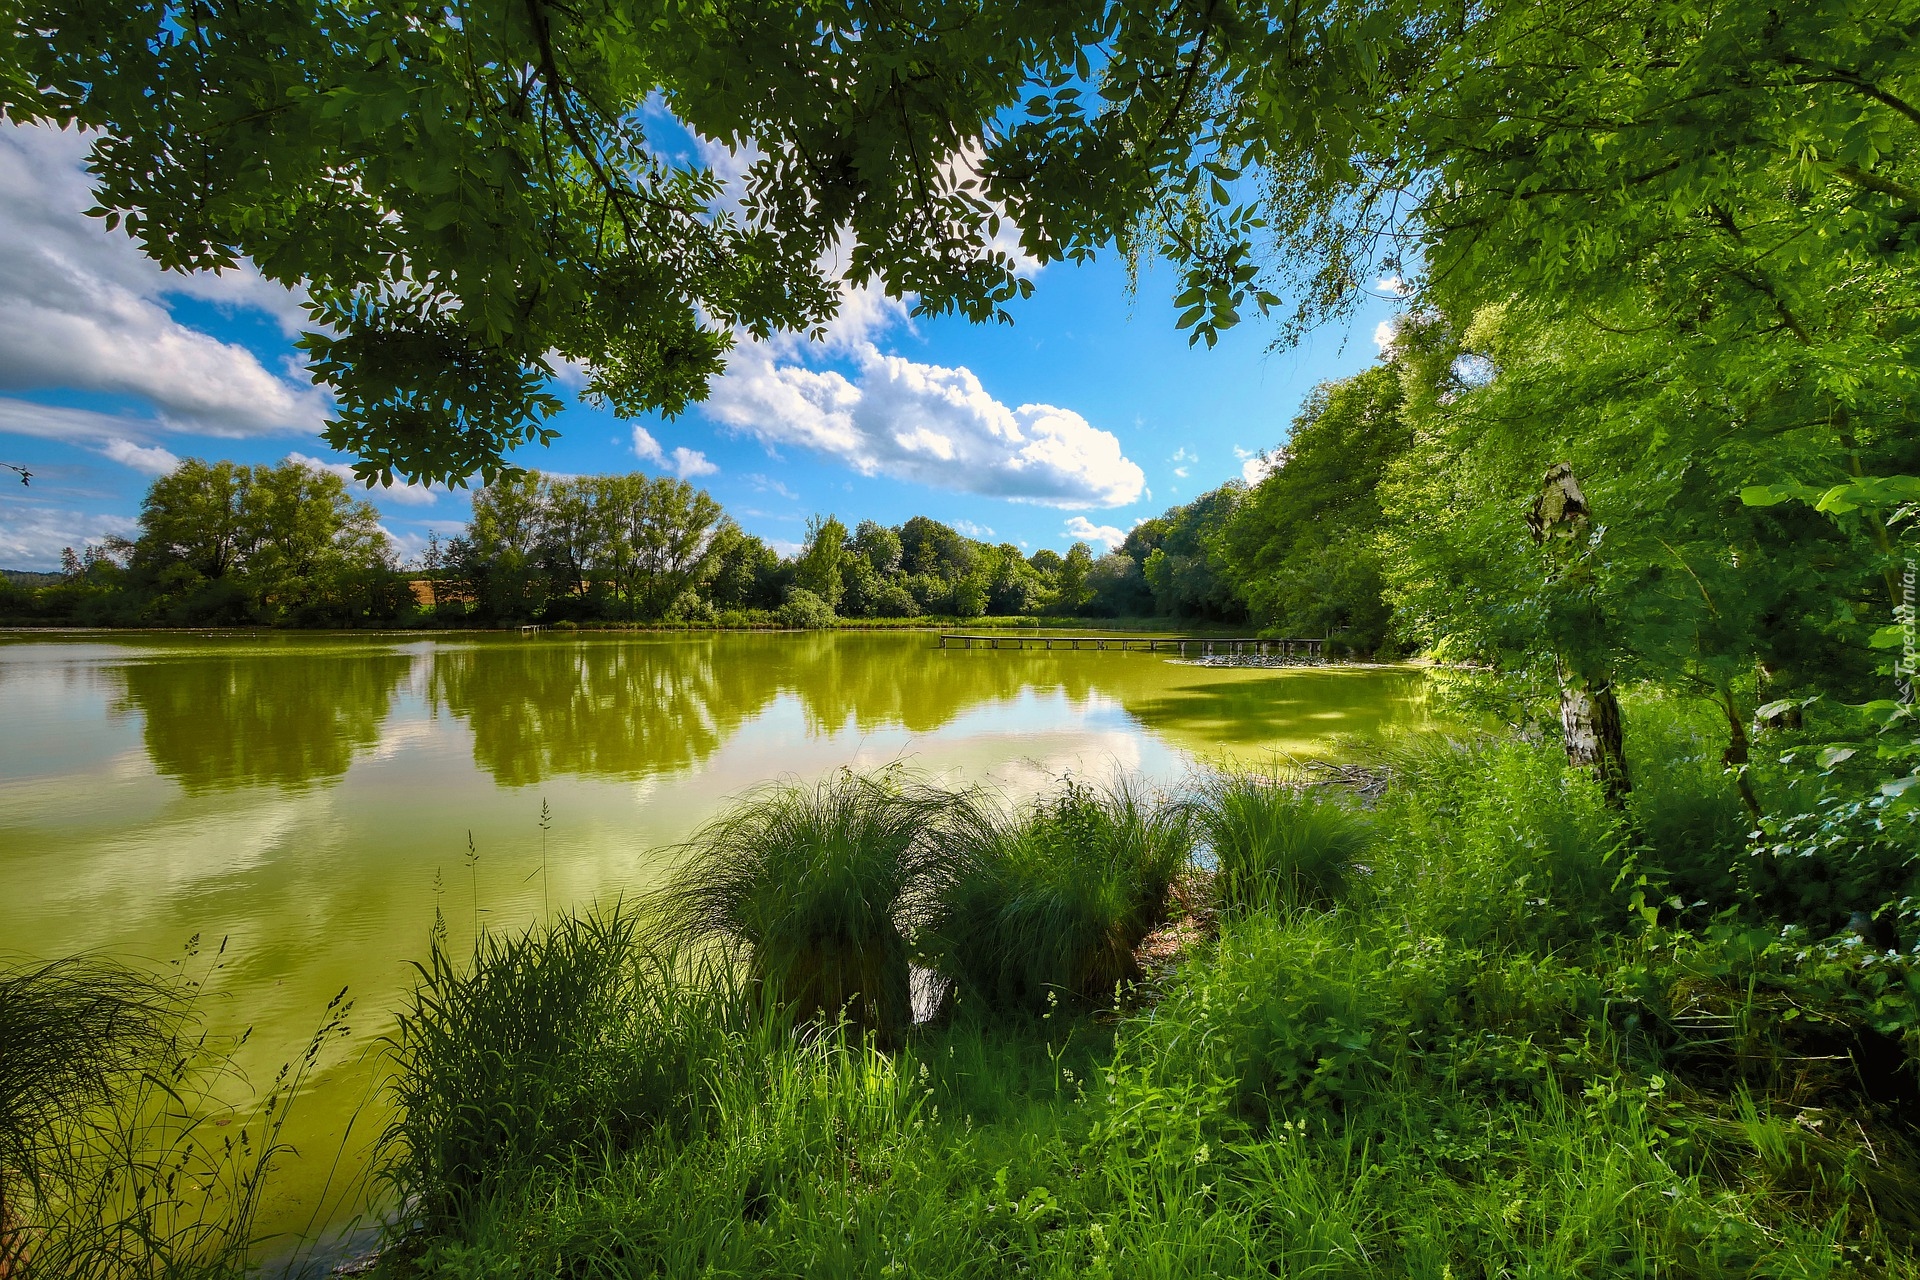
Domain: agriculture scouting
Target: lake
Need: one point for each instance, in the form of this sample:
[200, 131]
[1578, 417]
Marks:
[310, 799]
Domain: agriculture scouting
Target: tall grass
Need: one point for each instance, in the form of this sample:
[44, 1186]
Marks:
[818, 887]
[1050, 901]
[1486, 1063]
[574, 1038]
[1279, 844]
[122, 1151]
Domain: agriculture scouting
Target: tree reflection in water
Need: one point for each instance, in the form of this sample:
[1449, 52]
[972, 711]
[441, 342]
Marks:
[597, 708]
[277, 716]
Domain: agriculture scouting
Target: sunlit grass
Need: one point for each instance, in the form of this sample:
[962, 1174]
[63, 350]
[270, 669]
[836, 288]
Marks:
[1048, 902]
[1279, 844]
[818, 888]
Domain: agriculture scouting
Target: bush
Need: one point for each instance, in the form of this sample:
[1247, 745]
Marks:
[895, 601]
[1497, 844]
[819, 887]
[1051, 901]
[805, 611]
[1278, 844]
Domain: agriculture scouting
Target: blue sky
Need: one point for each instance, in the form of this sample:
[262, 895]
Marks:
[1087, 414]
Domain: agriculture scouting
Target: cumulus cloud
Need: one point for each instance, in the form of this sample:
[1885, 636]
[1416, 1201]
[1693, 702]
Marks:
[972, 530]
[683, 462]
[926, 423]
[1384, 334]
[81, 309]
[151, 459]
[1255, 467]
[410, 495]
[32, 534]
[1081, 529]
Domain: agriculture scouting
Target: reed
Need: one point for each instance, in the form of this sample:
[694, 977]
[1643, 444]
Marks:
[123, 1152]
[576, 1037]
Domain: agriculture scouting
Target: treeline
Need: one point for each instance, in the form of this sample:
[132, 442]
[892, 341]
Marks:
[224, 544]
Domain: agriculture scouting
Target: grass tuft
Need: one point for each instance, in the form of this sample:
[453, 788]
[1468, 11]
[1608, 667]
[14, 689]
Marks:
[1050, 901]
[818, 887]
[1278, 844]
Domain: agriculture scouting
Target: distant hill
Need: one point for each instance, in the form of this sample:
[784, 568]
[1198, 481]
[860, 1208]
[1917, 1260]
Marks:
[31, 578]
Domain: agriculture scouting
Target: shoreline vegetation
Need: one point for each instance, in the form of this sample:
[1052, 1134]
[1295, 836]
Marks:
[1446, 1012]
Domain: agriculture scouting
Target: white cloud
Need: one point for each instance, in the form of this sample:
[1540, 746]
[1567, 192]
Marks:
[925, 423]
[1081, 529]
[1392, 286]
[81, 309]
[153, 460]
[410, 495]
[31, 535]
[683, 462]
[1384, 333]
[1255, 467]
[767, 484]
[972, 530]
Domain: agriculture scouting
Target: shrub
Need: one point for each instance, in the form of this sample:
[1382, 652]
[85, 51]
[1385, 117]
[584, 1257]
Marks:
[1278, 844]
[1052, 900]
[805, 611]
[818, 886]
[895, 601]
[1496, 844]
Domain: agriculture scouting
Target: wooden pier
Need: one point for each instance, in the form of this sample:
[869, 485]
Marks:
[1185, 646]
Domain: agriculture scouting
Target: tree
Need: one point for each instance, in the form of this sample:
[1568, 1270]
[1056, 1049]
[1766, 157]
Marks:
[667, 538]
[1187, 571]
[879, 546]
[1071, 589]
[221, 542]
[1302, 547]
[465, 191]
[818, 566]
[932, 549]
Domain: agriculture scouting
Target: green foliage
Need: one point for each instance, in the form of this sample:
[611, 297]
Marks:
[572, 1040]
[1187, 573]
[805, 611]
[819, 889]
[1302, 547]
[224, 543]
[1278, 844]
[822, 560]
[464, 196]
[1393, 1081]
[1049, 902]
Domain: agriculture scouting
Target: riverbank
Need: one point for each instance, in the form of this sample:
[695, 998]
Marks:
[1472, 1045]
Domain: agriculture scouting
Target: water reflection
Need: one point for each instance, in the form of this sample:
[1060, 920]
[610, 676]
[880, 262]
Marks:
[622, 708]
[597, 709]
[288, 718]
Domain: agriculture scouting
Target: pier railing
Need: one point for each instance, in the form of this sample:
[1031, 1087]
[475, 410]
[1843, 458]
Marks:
[1185, 646]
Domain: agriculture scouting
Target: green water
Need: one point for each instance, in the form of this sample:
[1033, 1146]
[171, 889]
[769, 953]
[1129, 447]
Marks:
[309, 799]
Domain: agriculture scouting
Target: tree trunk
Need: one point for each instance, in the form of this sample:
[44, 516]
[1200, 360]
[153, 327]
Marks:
[1590, 723]
[1735, 756]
